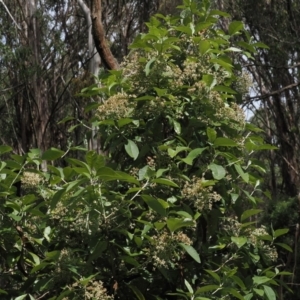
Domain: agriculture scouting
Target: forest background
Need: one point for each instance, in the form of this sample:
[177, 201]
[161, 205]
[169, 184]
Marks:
[55, 60]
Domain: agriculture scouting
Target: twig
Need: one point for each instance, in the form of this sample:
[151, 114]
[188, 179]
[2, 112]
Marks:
[10, 15]
[275, 67]
[138, 192]
[42, 296]
[290, 167]
[261, 97]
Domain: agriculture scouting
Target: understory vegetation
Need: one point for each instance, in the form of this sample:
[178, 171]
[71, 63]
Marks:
[169, 208]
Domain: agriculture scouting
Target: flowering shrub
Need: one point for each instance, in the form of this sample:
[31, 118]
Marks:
[169, 212]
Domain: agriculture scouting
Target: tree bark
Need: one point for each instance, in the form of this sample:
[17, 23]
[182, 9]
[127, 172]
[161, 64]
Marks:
[95, 60]
[98, 32]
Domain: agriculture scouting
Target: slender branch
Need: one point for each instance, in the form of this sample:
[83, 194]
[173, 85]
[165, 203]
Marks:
[17, 25]
[261, 97]
[42, 296]
[141, 189]
[290, 165]
[275, 67]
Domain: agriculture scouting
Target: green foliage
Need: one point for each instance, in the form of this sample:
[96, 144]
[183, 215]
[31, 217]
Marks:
[160, 215]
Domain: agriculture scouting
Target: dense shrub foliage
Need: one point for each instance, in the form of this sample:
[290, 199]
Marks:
[167, 211]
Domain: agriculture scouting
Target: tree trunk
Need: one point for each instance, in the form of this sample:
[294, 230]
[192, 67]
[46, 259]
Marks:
[98, 32]
[94, 66]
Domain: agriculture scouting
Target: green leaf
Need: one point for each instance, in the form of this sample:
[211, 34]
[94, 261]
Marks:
[260, 45]
[218, 171]
[280, 232]
[92, 105]
[13, 165]
[165, 181]
[39, 267]
[3, 292]
[203, 25]
[225, 89]
[47, 231]
[155, 205]
[233, 49]
[235, 27]
[182, 213]
[86, 280]
[218, 247]
[108, 174]
[269, 292]
[160, 172]
[284, 246]
[5, 149]
[94, 160]
[177, 127]
[285, 273]
[239, 241]
[209, 80]
[143, 172]
[160, 92]
[74, 184]
[56, 197]
[234, 197]
[217, 12]
[248, 296]
[52, 255]
[52, 154]
[211, 134]
[175, 223]
[246, 46]
[62, 295]
[188, 286]
[172, 153]
[260, 279]
[130, 260]
[265, 237]
[66, 119]
[142, 98]
[132, 149]
[259, 292]
[248, 213]
[180, 295]
[185, 29]
[137, 292]
[191, 251]
[207, 288]
[21, 297]
[83, 171]
[159, 225]
[192, 155]
[214, 275]
[245, 176]
[124, 121]
[226, 65]
[249, 196]
[239, 281]
[101, 246]
[235, 293]
[265, 147]
[148, 65]
[204, 46]
[225, 142]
